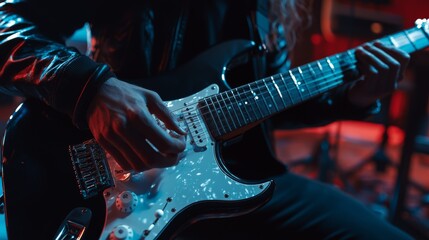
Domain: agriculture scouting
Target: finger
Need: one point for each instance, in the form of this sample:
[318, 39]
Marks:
[145, 124]
[401, 56]
[131, 140]
[165, 142]
[364, 62]
[164, 114]
[371, 57]
[384, 56]
[115, 153]
[148, 155]
[391, 74]
[124, 143]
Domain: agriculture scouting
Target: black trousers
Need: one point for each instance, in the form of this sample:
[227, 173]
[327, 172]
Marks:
[301, 209]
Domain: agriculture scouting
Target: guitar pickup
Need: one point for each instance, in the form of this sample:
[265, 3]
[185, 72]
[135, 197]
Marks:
[196, 126]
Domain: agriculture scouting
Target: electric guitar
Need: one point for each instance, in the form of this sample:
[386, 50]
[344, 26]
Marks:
[59, 183]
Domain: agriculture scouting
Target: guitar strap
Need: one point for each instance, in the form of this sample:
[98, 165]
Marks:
[262, 164]
[259, 31]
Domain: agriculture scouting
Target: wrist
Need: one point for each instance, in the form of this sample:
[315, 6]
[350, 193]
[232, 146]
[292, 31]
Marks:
[97, 79]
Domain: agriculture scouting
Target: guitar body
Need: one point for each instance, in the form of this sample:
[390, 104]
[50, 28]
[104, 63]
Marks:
[38, 178]
[59, 182]
[46, 176]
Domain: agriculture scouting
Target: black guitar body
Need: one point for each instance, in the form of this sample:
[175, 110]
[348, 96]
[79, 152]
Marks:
[39, 183]
[38, 177]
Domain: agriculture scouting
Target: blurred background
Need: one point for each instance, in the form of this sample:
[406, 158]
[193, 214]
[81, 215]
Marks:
[383, 161]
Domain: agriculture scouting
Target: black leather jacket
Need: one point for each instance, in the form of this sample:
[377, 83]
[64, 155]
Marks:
[131, 39]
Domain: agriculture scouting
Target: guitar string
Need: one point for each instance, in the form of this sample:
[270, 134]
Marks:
[388, 38]
[195, 117]
[287, 84]
[349, 52]
[266, 89]
[405, 42]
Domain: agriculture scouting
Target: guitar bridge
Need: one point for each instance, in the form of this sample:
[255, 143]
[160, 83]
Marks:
[91, 168]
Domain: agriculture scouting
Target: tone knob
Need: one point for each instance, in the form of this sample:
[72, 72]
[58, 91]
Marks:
[121, 232]
[126, 202]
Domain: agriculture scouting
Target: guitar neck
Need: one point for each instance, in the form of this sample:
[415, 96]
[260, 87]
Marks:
[228, 112]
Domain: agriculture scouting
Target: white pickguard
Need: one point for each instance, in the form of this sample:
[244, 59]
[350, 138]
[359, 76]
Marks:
[150, 200]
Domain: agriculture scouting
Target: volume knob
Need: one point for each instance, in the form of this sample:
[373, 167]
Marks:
[126, 201]
[121, 232]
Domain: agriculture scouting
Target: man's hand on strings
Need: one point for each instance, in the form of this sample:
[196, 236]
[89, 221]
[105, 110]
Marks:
[382, 67]
[120, 119]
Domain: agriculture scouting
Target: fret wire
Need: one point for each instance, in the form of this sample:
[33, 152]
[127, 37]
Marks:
[255, 97]
[231, 106]
[224, 119]
[409, 39]
[279, 92]
[267, 107]
[332, 84]
[384, 40]
[283, 88]
[256, 110]
[393, 41]
[296, 84]
[404, 43]
[309, 88]
[301, 85]
[287, 88]
[228, 107]
[247, 118]
[403, 40]
[234, 108]
[320, 66]
[238, 106]
[248, 103]
[265, 111]
[304, 83]
[220, 113]
[292, 88]
[418, 37]
[313, 74]
[213, 118]
[338, 59]
[309, 65]
[269, 99]
[330, 64]
[219, 118]
[271, 95]
[325, 67]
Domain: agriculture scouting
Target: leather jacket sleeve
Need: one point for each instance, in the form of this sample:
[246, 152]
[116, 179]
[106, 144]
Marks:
[35, 62]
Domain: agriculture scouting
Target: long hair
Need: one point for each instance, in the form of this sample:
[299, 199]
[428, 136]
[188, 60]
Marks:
[288, 18]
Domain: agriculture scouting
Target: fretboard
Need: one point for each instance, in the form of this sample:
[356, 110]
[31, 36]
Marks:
[231, 110]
